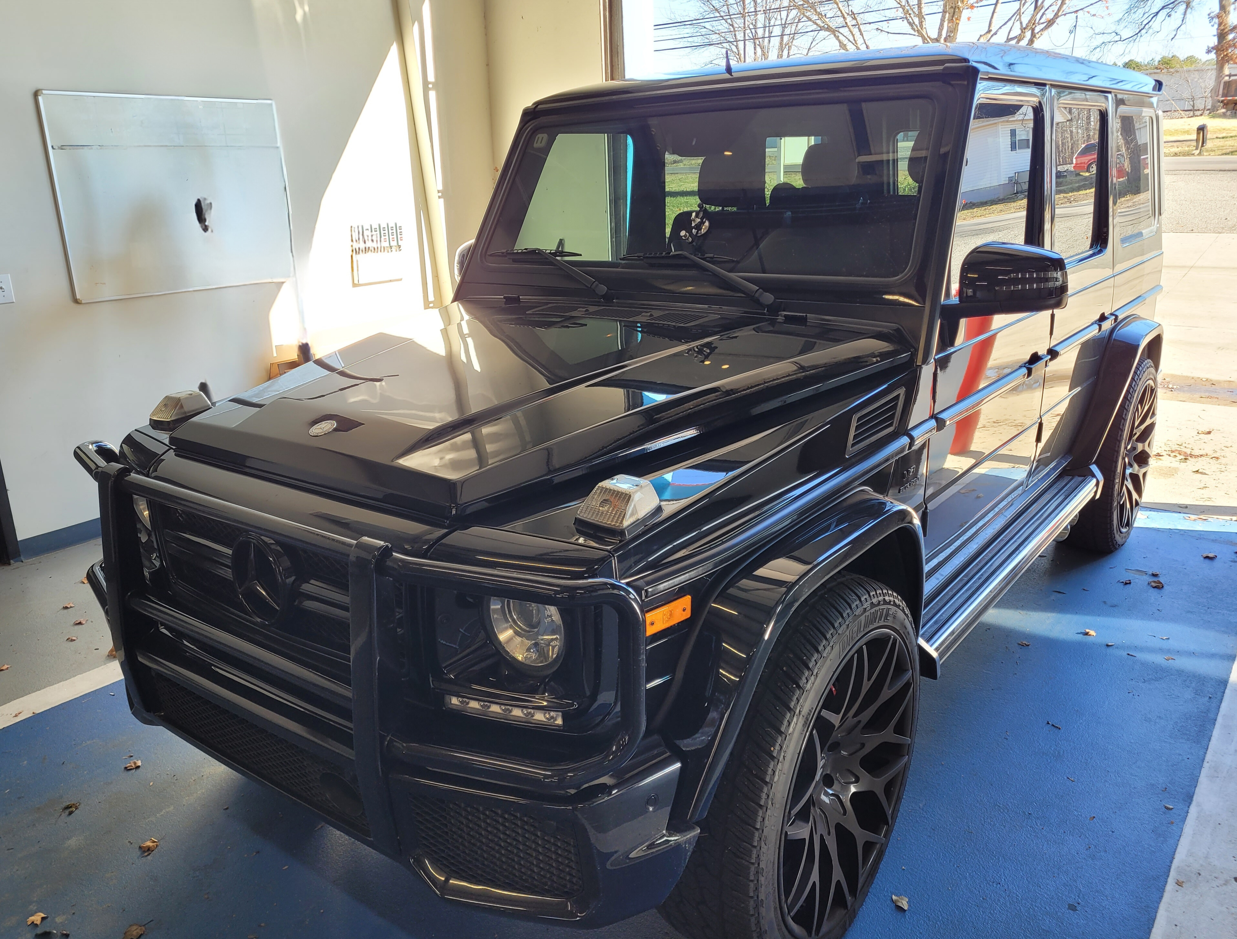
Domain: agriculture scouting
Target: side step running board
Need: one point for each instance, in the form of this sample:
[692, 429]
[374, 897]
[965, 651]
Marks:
[943, 631]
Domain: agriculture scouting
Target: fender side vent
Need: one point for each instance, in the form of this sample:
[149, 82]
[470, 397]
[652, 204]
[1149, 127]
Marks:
[875, 421]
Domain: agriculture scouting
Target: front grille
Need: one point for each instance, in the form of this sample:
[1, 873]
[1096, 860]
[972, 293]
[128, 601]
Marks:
[199, 561]
[273, 759]
[497, 848]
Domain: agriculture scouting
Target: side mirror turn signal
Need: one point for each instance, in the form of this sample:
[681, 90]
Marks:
[1005, 278]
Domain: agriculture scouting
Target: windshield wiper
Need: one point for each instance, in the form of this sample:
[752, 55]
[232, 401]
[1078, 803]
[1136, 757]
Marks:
[555, 257]
[746, 287]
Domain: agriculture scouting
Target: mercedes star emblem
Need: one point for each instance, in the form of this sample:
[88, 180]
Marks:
[322, 428]
[263, 576]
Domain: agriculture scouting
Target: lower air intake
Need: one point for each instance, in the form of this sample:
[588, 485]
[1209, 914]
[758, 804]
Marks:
[325, 786]
[496, 848]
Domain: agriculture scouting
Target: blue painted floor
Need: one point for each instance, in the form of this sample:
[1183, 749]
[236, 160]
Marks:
[1011, 826]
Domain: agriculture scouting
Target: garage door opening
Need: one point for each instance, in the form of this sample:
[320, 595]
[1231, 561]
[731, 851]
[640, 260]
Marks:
[8, 531]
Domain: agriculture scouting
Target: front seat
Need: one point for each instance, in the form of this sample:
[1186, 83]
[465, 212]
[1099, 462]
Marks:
[733, 184]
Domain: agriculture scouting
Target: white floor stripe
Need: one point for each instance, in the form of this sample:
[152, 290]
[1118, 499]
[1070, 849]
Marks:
[21, 708]
[1179, 521]
[1204, 906]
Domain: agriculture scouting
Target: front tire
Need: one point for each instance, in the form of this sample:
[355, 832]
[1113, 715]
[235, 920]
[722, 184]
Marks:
[804, 810]
[1105, 524]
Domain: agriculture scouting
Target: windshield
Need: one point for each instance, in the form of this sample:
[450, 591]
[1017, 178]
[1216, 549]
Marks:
[829, 189]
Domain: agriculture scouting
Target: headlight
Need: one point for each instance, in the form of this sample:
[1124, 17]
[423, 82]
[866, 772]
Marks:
[529, 635]
[143, 512]
[146, 535]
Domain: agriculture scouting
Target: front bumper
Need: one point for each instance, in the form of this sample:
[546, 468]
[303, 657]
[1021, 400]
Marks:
[586, 841]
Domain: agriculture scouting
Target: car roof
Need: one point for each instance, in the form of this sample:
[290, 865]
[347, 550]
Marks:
[991, 59]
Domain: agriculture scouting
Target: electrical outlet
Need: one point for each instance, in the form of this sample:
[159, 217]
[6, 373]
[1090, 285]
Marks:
[6, 289]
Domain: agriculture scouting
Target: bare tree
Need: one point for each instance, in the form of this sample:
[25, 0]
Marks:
[1225, 48]
[1143, 19]
[849, 22]
[753, 30]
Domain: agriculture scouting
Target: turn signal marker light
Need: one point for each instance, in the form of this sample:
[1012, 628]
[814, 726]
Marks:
[666, 616]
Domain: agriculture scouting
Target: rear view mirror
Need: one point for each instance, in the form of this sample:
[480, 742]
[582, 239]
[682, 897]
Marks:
[1004, 278]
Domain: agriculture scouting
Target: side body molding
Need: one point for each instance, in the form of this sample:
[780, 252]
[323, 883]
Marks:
[865, 532]
[1132, 339]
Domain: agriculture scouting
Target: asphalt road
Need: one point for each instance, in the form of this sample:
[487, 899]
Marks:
[1200, 194]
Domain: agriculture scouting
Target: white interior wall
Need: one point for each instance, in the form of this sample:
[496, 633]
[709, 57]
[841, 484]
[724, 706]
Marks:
[73, 372]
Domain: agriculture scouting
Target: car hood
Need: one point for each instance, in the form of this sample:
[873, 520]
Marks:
[504, 400]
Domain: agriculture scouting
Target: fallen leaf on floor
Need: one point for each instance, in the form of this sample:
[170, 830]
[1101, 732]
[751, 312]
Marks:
[70, 639]
[67, 606]
[136, 931]
[1181, 883]
[1157, 584]
[111, 653]
[79, 622]
[147, 848]
[1110, 644]
[4, 668]
[70, 808]
[17, 714]
[1023, 642]
[1204, 433]
[36, 919]
[1131, 655]
[1088, 632]
[133, 764]
[1169, 658]
[901, 903]
[83, 580]
[1209, 557]
[1051, 724]
[1127, 581]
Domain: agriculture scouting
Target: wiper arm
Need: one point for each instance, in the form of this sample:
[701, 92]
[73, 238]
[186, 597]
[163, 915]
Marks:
[746, 287]
[555, 257]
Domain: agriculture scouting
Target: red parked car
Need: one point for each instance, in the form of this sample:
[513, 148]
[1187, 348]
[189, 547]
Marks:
[1084, 159]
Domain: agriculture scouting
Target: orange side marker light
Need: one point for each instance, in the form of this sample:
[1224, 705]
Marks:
[666, 616]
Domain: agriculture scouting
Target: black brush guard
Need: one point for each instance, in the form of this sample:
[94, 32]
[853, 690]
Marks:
[375, 572]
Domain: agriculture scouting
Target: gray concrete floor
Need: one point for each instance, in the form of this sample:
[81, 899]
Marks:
[34, 627]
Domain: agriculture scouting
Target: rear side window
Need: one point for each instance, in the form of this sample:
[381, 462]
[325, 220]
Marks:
[1132, 174]
[1080, 164]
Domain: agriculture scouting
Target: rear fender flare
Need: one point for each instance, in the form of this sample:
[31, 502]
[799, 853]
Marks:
[751, 613]
[1131, 341]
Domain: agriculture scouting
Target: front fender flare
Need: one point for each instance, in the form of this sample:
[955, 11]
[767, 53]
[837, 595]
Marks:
[751, 613]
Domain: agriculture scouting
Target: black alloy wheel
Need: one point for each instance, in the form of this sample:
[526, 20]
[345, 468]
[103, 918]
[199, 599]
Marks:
[1136, 462]
[807, 803]
[1105, 524]
[849, 778]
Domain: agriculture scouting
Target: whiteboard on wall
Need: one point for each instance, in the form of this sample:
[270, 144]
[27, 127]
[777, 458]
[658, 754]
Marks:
[163, 194]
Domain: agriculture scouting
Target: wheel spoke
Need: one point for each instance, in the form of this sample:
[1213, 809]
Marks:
[832, 836]
[807, 872]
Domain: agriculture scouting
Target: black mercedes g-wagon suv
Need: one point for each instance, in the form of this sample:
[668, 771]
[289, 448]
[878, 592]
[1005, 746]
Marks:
[616, 591]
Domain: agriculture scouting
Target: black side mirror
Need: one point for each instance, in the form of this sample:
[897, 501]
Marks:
[1002, 278]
